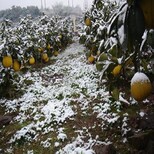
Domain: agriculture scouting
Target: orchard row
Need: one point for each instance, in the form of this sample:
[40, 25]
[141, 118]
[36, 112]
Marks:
[32, 41]
[119, 37]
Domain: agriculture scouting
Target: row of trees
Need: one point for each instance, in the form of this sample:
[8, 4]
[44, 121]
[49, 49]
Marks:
[119, 40]
[30, 42]
[17, 12]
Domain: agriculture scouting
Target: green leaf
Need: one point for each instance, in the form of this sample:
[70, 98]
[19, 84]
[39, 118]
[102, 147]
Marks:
[115, 93]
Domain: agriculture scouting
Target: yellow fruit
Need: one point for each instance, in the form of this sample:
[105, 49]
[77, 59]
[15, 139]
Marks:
[91, 59]
[140, 86]
[88, 22]
[55, 53]
[31, 60]
[44, 56]
[7, 61]
[46, 60]
[116, 70]
[48, 46]
[16, 65]
[40, 49]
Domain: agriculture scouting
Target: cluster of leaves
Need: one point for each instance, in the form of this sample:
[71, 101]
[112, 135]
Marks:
[31, 38]
[111, 38]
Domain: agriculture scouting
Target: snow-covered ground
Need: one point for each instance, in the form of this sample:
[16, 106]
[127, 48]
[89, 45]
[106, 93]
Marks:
[48, 102]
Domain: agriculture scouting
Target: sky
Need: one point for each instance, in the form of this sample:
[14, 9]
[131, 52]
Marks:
[5, 4]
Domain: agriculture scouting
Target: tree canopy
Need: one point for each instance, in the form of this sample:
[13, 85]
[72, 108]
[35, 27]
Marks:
[16, 12]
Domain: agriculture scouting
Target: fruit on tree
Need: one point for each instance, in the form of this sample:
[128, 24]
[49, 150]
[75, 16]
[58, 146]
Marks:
[31, 60]
[55, 53]
[88, 22]
[48, 46]
[44, 56]
[116, 70]
[7, 61]
[16, 65]
[91, 59]
[46, 60]
[40, 49]
[141, 86]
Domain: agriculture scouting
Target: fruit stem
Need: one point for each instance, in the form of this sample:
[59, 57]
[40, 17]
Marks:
[138, 58]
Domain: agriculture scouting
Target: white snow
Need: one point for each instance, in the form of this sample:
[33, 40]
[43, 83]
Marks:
[142, 114]
[77, 147]
[56, 93]
[125, 127]
[139, 77]
[121, 34]
[62, 136]
[47, 100]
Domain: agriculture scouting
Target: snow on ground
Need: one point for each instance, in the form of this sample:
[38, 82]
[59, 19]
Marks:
[48, 100]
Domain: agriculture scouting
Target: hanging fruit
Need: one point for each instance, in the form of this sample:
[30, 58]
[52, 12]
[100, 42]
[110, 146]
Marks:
[140, 86]
[44, 56]
[16, 65]
[88, 21]
[31, 60]
[40, 49]
[48, 46]
[7, 61]
[91, 59]
[46, 60]
[55, 53]
[116, 71]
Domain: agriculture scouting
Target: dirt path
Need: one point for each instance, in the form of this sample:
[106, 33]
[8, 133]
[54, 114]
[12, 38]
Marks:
[63, 108]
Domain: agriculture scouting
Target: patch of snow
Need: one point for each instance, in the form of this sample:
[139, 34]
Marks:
[47, 102]
[142, 114]
[79, 150]
[25, 132]
[30, 152]
[76, 147]
[125, 127]
[124, 140]
[122, 99]
[57, 144]
[62, 136]
[121, 34]
[139, 77]
[146, 101]
[46, 143]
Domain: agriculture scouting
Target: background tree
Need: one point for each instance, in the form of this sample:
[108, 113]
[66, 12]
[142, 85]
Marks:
[16, 12]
